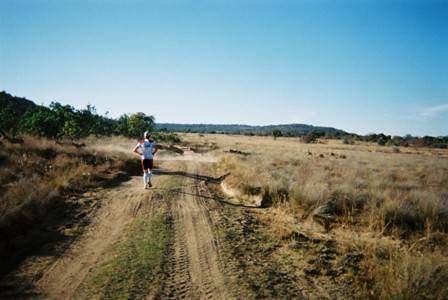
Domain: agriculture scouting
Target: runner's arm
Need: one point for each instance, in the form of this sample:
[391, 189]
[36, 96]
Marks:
[135, 150]
[156, 148]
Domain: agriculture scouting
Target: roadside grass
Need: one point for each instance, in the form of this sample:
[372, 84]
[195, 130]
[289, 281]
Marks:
[134, 262]
[41, 183]
[404, 274]
[395, 193]
[38, 172]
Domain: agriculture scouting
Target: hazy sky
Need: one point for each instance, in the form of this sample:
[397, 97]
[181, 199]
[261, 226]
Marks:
[362, 66]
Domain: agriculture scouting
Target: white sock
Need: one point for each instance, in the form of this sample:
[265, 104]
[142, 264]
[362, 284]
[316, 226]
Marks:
[149, 176]
[145, 178]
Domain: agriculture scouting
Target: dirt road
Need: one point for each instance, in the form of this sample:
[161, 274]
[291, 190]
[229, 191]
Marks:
[192, 268]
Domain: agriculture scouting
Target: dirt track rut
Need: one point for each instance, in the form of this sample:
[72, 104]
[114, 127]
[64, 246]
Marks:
[193, 270]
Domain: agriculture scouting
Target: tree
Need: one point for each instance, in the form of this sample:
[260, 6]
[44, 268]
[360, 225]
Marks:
[276, 133]
[8, 120]
[69, 121]
[42, 122]
[139, 123]
[381, 141]
[122, 125]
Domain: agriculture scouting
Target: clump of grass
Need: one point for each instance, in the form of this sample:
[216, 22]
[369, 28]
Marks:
[417, 213]
[404, 274]
[133, 264]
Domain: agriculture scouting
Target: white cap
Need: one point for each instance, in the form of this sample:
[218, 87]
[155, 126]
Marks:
[146, 133]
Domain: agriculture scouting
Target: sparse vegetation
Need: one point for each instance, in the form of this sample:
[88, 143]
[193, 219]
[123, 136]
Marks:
[396, 194]
[134, 262]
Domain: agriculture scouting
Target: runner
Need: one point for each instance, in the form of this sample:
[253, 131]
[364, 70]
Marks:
[146, 149]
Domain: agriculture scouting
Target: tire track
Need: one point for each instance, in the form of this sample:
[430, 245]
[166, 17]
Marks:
[193, 269]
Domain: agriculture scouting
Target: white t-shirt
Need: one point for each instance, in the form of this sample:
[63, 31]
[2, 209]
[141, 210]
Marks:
[146, 148]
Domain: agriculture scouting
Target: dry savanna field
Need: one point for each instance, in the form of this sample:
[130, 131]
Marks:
[229, 216]
[382, 210]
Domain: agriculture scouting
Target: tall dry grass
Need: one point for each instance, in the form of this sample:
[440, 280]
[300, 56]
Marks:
[389, 204]
[37, 178]
[383, 191]
[36, 171]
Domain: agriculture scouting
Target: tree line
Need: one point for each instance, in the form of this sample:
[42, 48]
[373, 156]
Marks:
[22, 116]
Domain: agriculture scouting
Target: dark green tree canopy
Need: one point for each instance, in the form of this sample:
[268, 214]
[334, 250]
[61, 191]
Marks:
[18, 115]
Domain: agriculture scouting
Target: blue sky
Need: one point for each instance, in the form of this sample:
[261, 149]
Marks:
[362, 66]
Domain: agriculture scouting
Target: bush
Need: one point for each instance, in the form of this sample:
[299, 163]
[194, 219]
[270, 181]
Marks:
[309, 138]
[276, 133]
[348, 141]
[381, 141]
[166, 137]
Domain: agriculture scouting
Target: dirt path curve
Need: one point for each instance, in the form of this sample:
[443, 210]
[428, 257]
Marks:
[194, 266]
[119, 207]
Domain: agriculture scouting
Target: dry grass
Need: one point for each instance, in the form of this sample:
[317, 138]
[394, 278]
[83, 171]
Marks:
[404, 274]
[37, 171]
[107, 145]
[366, 185]
[38, 179]
[389, 204]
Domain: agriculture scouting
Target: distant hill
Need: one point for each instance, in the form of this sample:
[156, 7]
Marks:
[286, 129]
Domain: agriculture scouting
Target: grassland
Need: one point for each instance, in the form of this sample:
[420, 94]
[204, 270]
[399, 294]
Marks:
[384, 210]
[252, 217]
